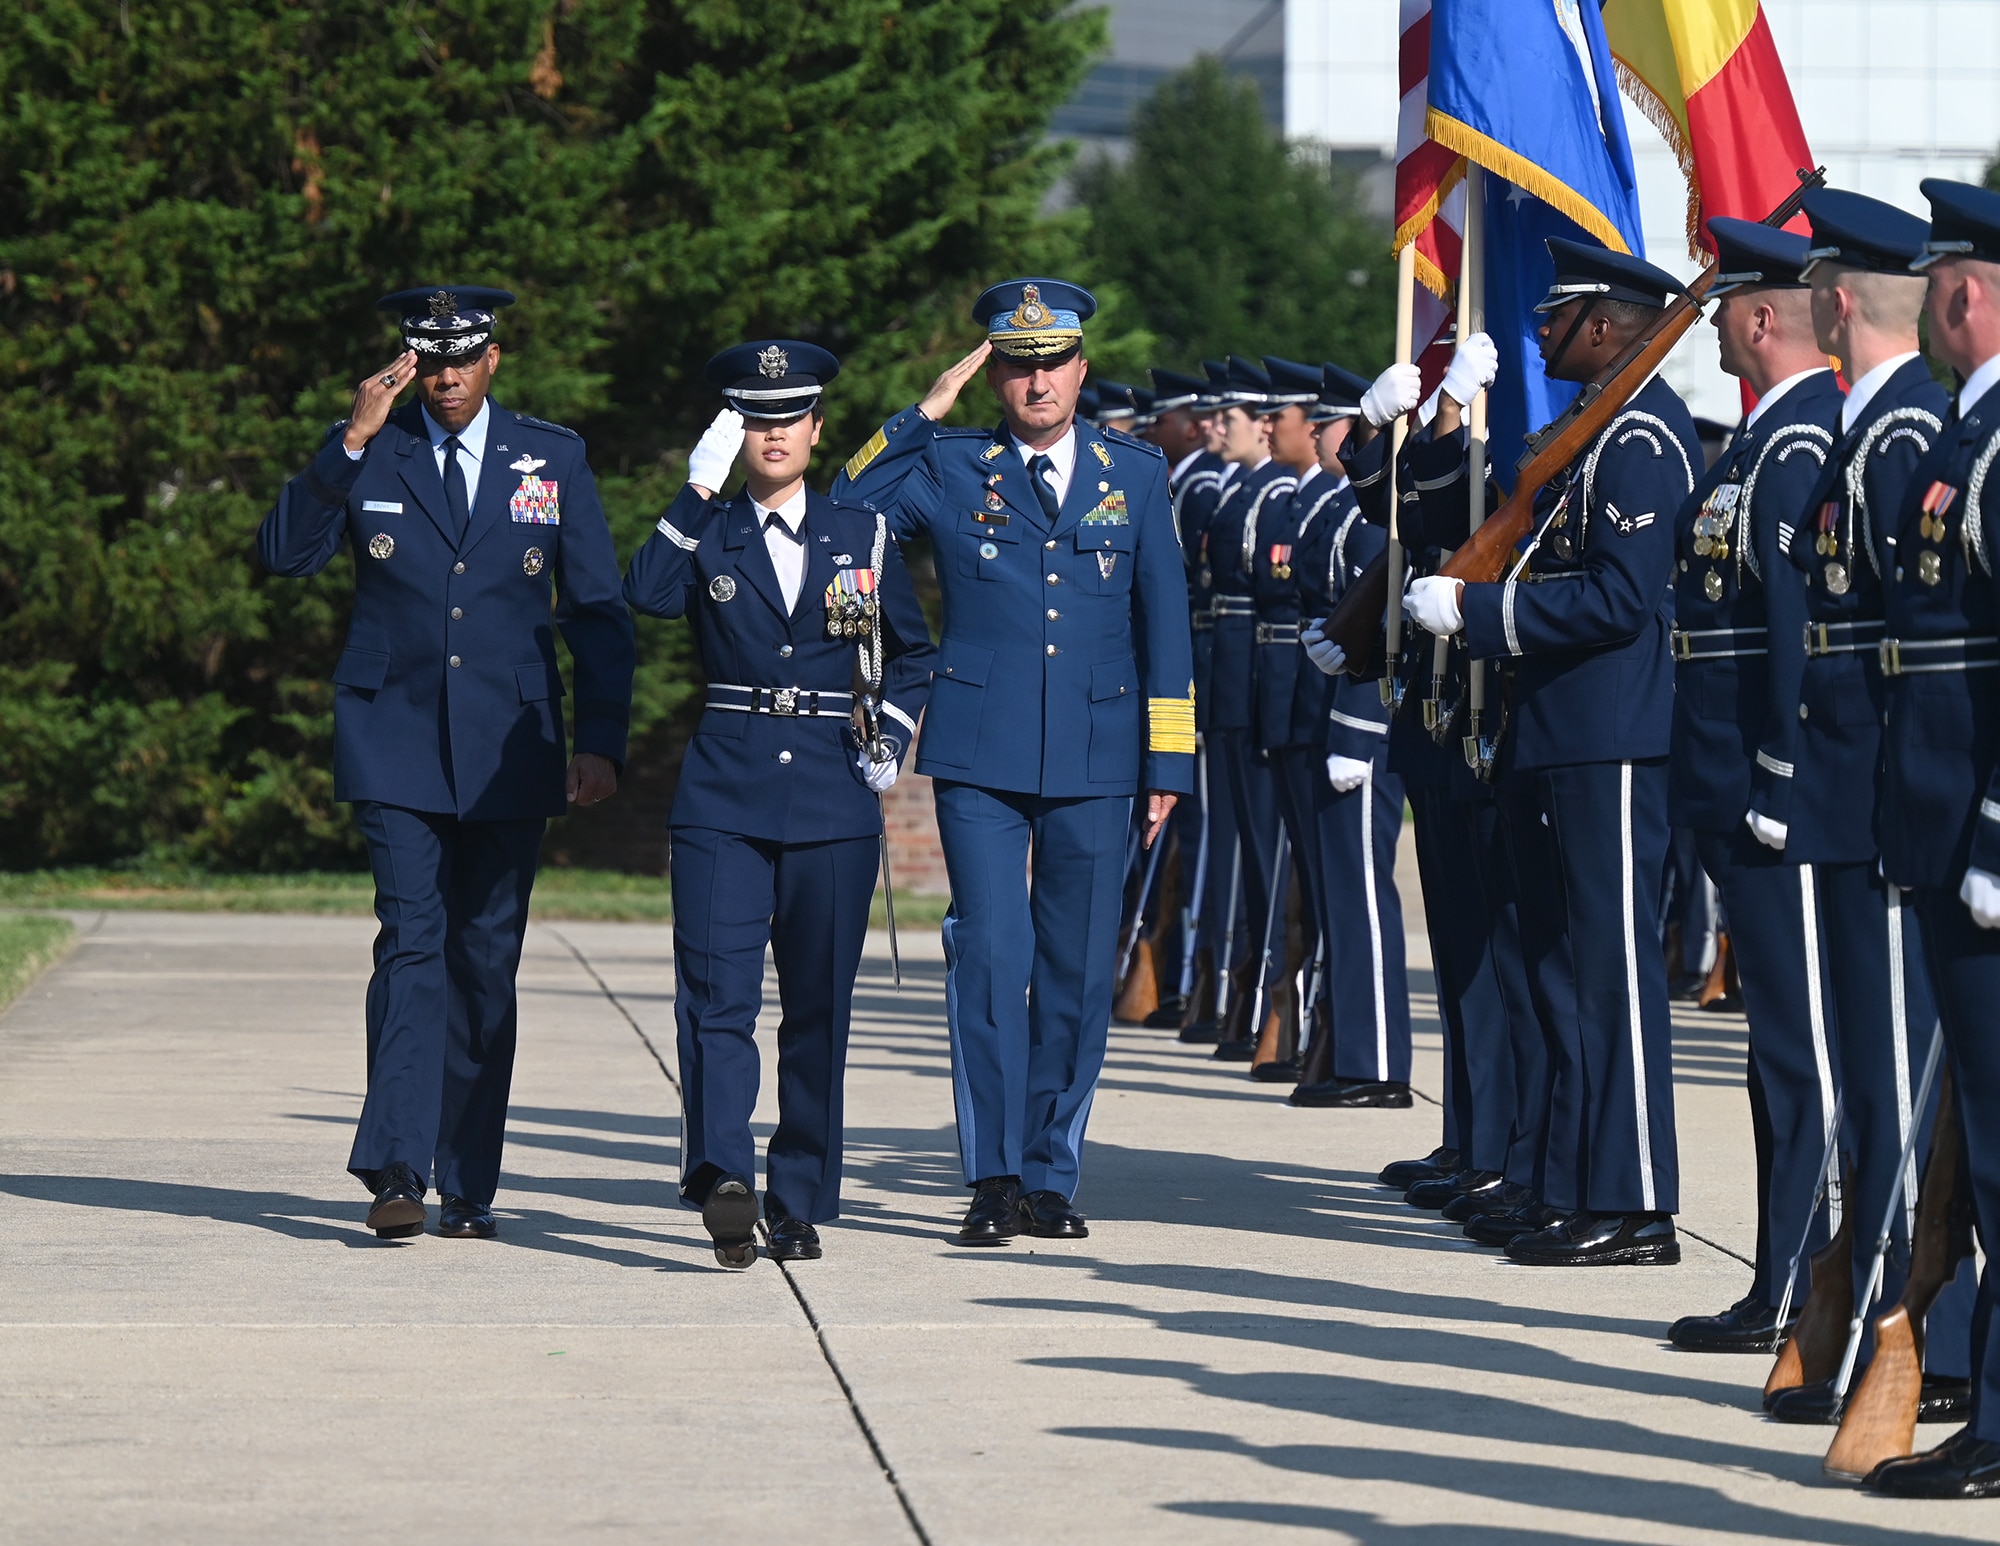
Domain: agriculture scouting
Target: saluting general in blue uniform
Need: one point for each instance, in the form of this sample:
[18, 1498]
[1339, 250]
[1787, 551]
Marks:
[477, 537]
[1586, 627]
[776, 818]
[1740, 612]
[1941, 785]
[1063, 685]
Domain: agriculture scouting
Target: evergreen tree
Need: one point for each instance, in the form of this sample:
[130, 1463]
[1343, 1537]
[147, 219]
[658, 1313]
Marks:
[1227, 239]
[199, 203]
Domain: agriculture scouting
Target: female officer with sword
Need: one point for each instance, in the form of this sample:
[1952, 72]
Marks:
[777, 819]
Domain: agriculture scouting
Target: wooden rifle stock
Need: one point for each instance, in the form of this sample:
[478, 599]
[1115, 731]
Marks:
[1880, 1421]
[1357, 619]
[1811, 1354]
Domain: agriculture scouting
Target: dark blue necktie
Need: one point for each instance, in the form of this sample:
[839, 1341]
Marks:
[455, 499]
[1043, 469]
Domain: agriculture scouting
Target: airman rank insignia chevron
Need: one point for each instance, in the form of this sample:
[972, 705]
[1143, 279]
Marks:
[858, 462]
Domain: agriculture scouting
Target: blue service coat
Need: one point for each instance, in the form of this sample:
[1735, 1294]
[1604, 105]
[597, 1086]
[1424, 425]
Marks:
[447, 697]
[1588, 623]
[1941, 782]
[783, 778]
[1828, 798]
[1320, 556]
[1054, 632]
[1740, 655]
[1255, 503]
[1276, 586]
[1195, 497]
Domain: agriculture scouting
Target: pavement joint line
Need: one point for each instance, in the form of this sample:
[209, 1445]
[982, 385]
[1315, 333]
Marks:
[1716, 1245]
[616, 1003]
[805, 1306]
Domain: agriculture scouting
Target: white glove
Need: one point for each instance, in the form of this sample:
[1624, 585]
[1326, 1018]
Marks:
[1981, 893]
[1473, 366]
[1346, 773]
[711, 459]
[1322, 651]
[1432, 603]
[878, 775]
[1768, 832]
[1395, 392]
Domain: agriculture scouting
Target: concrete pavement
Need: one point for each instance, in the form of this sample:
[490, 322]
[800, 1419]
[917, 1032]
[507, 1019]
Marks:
[201, 1343]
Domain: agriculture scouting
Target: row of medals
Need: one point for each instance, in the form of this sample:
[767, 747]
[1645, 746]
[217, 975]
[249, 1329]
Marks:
[1930, 564]
[1711, 538]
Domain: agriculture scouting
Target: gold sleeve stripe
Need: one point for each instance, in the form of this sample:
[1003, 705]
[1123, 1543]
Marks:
[858, 462]
[1170, 725]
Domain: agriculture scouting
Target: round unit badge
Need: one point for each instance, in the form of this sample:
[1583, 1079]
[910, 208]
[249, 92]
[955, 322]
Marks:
[1711, 585]
[531, 562]
[1836, 579]
[721, 588]
[989, 550]
[381, 545]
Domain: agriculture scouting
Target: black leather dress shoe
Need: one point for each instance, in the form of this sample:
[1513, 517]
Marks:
[1601, 1240]
[1939, 1400]
[1439, 1190]
[1240, 1050]
[995, 1216]
[1168, 1015]
[1203, 1033]
[1961, 1467]
[460, 1219]
[789, 1239]
[1501, 1197]
[1353, 1092]
[1277, 1071]
[1049, 1216]
[1747, 1326]
[729, 1214]
[1507, 1224]
[1812, 1403]
[398, 1210]
[1944, 1401]
[1404, 1174]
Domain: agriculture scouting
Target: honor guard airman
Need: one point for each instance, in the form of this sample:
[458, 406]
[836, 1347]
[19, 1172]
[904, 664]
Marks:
[1815, 790]
[817, 661]
[1735, 706]
[1586, 628]
[1250, 881]
[1941, 796]
[1063, 687]
[477, 537]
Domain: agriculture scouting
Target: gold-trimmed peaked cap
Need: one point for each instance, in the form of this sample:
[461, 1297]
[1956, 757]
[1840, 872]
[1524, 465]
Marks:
[1034, 319]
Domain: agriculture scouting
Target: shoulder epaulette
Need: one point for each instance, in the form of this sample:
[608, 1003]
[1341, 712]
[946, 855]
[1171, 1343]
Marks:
[1125, 439]
[557, 429]
[963, 432]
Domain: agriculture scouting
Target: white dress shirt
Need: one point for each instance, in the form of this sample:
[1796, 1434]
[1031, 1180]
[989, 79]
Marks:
[1978, 384]
[1861, 391]
[471, 448]
[1062, 454]
[788, 555]
[1770, 398]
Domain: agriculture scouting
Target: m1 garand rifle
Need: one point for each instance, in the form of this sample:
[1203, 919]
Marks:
[1355, 624]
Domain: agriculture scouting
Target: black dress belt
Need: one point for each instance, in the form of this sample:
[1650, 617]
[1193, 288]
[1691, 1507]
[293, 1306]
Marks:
[786, 702]
[1936, 655]
[1233, 606]
[1277, 633]
[1843, 638]
[1718, 643]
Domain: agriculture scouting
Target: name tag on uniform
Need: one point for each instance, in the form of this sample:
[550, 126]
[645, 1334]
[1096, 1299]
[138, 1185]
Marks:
[1109, 511]
[382, 506]
[991, 517]
[534, 503]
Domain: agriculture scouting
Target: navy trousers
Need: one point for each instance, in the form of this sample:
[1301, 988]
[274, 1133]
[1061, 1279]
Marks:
[1252, 795]
[1553, 1167]
[1965, 963]
[808, 902]
[1028, 973]
[1886, 1015]
[452, 899]
[1354, 836]
[1293, 770]
[1609, 821]
[1774, 930]
[1224, 926]
[1497, 1091]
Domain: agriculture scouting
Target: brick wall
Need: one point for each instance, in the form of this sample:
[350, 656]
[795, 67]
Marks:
[914, 855]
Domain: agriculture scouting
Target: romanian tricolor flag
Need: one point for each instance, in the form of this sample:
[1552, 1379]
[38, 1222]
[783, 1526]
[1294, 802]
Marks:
[1707, 73]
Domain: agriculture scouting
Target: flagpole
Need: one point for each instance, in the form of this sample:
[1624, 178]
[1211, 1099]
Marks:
[1472, 319]
[1406, 285]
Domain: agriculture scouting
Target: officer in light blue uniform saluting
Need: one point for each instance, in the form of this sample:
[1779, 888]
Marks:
[1063, 687]
[1740, 611]
[477, 537]
[796, 600]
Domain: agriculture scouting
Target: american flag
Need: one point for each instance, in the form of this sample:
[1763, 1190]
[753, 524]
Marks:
[1430, 198]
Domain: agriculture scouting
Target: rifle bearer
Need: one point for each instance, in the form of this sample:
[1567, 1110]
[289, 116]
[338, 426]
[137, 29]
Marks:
[1941, 806]
[1735, 710]
[1586, 622]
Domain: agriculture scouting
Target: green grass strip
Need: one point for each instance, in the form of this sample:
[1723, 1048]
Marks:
[29, 942]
